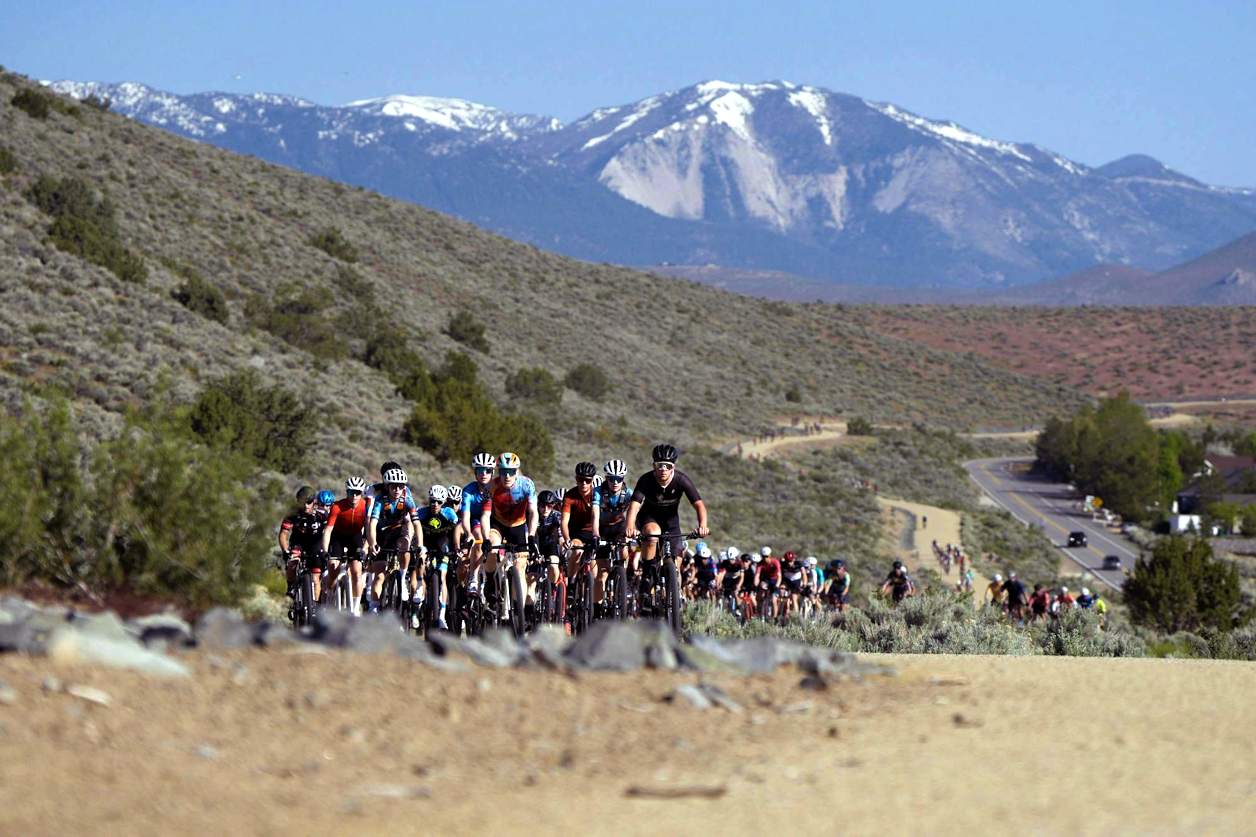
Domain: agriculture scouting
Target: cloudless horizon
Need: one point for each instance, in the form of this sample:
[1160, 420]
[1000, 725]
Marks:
[1172, 81]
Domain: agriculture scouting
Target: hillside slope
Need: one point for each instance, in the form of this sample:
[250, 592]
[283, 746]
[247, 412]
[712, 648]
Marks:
[686, 361]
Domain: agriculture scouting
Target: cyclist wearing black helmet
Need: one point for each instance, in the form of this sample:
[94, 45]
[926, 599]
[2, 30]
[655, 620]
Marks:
[299, 534]
[837, 585]
[897, 584]
[580, 524]
[655, 508]
[548, 532]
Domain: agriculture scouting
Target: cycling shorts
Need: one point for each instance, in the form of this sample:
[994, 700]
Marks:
[511, 535]
[585, 536]
[668, 526]
[389, 537]
[793, 586]
[770, 584]
[314, 557]
[345, 546]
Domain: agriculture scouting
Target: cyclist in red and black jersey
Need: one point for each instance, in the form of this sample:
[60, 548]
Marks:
[299, 535]
[579, 524]
[345, 534]
[769, 576]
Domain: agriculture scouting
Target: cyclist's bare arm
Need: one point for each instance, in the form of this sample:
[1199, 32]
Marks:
[699, 508]
[630, 523]
[563, 526]
[371, 532]
[283, 539]
[533, 518]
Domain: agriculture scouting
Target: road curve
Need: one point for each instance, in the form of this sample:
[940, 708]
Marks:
[1053, 507]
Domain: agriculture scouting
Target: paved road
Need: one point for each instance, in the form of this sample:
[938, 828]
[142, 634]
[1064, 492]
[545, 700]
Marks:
[1053, 507]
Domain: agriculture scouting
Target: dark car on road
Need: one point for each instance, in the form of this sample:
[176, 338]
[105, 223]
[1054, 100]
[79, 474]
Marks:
[1111, 562]
[1077, 539]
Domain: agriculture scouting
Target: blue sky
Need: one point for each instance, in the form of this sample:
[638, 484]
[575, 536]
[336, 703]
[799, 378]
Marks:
[1169, 79]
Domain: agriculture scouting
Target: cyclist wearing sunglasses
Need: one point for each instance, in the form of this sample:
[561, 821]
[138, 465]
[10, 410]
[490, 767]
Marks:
[510, 515]
[579, 524]
[610, 506]
[474, 495]
[299, 534]
[655, 507]
[345, 534]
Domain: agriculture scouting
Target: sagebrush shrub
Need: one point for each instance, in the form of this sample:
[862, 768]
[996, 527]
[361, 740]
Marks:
[332, 242]
[32, 102]
[532, 383]
[467, 330]
[8, 161]
[269, 425]
[589, 380]
[200, 297]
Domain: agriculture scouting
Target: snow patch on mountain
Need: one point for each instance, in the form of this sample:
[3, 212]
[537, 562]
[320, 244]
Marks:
[643, 109]
[947, 130]
[814, 103]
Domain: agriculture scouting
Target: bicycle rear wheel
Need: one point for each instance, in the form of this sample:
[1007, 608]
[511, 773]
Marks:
[515, 589]
[672, 588]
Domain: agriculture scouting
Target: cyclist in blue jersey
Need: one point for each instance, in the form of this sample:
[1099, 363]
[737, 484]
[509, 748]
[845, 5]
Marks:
[391, 526]
[474, 495]
[610, 506]
[510, 514]
[837, 587]
[440, 531]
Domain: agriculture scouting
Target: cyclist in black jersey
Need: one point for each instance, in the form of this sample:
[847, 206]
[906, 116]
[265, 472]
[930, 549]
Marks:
[897, 584]
[655, 507]
[300, 534]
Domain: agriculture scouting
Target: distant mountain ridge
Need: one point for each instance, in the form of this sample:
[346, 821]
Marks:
[752, 177]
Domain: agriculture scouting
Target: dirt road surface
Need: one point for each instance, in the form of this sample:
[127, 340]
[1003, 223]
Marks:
[943, 526]
[271, 742]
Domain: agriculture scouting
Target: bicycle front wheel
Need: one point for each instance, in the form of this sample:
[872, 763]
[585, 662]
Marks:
[672, 589]
[306, 611]
[619, 592]
[514, 587]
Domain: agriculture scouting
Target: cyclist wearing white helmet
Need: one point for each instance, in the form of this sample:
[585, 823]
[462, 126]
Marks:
[440, 529]
[995, 593]
[392, 526]
[610, 507]
[474, 495]
[345, 535]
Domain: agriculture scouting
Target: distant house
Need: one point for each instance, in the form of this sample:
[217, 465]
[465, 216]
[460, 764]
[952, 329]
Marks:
[1239, 473]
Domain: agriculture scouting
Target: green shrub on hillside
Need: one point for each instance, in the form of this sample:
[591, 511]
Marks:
[297, 317]
[332, 242]
[269, 425]
[82, 238]
[467, 330]
[859, 426]
[589, 380]
[532, 383]
[453, 419]
[32, 102]
[8, 161]
[200, 297]
[97, 103]
[151, 509]
[388, 351]
[73, 196]
[85, 226]
[793, 395]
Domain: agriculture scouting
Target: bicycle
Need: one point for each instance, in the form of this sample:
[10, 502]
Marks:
[582, 588]
[549, 600]
[390, 598]
[433, 587]
[302, 609]
[338, 591]
[507, 577]
[660, 591]
[618, 594]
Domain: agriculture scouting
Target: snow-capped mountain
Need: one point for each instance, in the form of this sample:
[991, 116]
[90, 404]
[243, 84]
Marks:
[770, 176]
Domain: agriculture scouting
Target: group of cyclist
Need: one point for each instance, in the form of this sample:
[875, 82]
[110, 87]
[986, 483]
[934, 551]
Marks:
[760, 584]
[499, 514]
[1024, 607]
